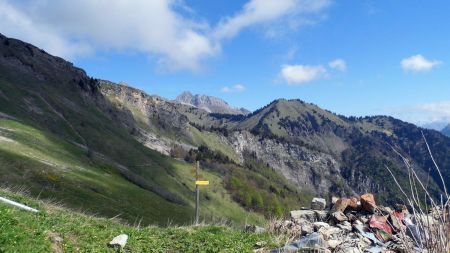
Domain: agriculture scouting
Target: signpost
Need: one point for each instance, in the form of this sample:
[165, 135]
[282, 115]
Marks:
[198, 183]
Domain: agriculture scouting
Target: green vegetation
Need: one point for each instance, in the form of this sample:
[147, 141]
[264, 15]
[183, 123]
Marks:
[23, 231]
[214, 142]
[254, 185]
[55, 169]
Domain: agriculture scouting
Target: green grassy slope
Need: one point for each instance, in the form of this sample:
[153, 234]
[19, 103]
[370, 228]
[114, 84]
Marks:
[23, 231]
[59, 170]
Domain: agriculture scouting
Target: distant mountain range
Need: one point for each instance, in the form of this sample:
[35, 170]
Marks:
[209, 104]
[112, 149]
[446, 130]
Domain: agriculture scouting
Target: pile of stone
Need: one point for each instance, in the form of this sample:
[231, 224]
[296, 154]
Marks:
[352, 225]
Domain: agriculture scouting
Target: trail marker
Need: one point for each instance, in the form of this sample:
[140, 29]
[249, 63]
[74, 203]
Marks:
[197, 192]
[201, 182]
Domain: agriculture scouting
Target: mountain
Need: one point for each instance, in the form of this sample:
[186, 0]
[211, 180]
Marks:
[325, 153]
[209, 104]
[111, 149]
[446, 130]
[435, 125]
[61, 138]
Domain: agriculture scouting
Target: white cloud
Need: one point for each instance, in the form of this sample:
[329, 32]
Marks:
[300, 74]
[338, 64]
[234, 88]
[16, 23]
[257, 12]
[418, 63]
[150, 27]
[166, 30]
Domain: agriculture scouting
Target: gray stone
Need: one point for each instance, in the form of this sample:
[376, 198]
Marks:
[333, 243]
[120, 240]
[308, 215]
[318, 204]
[318, 225]
[321, 215]
[306, 229]
[346, 226]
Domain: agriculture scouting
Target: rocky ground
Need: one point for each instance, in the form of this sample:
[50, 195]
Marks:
[354, 225]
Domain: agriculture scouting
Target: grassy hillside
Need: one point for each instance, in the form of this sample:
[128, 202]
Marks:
[55, 169]
[23, 231]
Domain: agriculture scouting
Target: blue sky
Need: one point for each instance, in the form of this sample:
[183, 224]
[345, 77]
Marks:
[356, 57]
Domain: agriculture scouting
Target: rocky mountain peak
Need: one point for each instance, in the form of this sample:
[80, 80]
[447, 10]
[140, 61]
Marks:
[209, 103]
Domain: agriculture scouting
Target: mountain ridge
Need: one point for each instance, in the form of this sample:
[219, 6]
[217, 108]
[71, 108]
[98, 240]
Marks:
[209, 103]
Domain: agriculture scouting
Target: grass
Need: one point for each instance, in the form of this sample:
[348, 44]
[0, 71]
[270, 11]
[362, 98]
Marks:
[214, 142]
[23, 231]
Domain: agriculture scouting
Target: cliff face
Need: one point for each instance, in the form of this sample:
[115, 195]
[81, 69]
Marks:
[310, 170]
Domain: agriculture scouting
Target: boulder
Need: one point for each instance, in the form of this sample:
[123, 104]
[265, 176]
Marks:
[339, 216]
[318, 204]
[368, 202]
[119, 241]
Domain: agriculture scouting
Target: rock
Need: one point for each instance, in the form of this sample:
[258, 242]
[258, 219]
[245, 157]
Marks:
[333, 243]
[328, 232]
[318, 225]
[341, 205]
[368, 202]
[307, 215]
[255, 229]
[321, 215]
[354, 203]
[307, 229]
[345, 226]
[339, 216]
[318, 204]
[334, 230]
[120, 241]
[324, 233]
[334, 199]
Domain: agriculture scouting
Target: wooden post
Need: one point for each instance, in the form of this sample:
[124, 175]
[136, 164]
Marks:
[197, 196]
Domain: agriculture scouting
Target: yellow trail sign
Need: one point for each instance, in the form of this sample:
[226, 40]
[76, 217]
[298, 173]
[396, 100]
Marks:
[202, 182]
